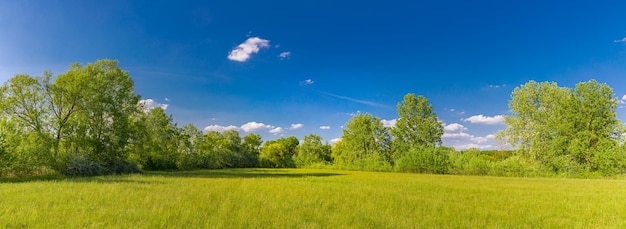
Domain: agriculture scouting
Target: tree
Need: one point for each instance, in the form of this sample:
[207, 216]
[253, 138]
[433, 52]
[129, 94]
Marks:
[279, 153]
[312, 151]
[417, 125]
[563, 128]
[85, 111]
[365, 144]
[158, 147]
[251, 148]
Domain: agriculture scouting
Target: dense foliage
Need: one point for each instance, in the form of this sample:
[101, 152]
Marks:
[89, 121]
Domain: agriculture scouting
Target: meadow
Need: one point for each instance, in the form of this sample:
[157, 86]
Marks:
[307, 198]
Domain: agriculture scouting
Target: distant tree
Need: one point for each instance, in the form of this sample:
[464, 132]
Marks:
[158, 147]
[417, 125]
[251, 149]
[365, 144]
[279, 153]
[312, 151]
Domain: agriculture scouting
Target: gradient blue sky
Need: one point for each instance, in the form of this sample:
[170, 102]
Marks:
[307, 66]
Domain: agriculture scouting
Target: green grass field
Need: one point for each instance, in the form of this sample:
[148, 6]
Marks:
[299, 198]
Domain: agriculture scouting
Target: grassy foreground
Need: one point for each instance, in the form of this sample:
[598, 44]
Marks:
[299, 198]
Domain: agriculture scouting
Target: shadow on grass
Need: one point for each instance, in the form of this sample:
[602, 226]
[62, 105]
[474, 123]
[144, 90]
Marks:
[241, 173]
[78, 179]
[217, 173]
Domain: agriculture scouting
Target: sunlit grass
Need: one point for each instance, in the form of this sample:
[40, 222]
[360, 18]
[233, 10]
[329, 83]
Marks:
[299, 198]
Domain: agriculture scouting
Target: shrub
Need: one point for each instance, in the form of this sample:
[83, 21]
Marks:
[78, 165]
[424, 160]
[118, 166]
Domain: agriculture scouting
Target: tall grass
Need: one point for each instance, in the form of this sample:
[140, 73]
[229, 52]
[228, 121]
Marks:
[307, 198]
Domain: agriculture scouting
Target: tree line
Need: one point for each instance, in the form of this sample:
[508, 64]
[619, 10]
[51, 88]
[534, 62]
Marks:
[89, 121]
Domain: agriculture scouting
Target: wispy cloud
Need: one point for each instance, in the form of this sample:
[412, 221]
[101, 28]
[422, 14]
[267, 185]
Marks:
[284, 55]
[243, 51]
[481, 119]
[324, 127]
[620, 41]
[365, 102]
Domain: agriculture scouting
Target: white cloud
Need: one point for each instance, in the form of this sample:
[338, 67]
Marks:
[296, 126]
[335, 140]
[149, 104]
[454, 127]
[472, 145]
[497, 85]
[276, 130]
[481, 119]
[622, 40]
[455, 135]
[308, 82]
[243, 51]
[389, 123]
[324, 127]
[219, 128]
[254, 126]
[284, 55]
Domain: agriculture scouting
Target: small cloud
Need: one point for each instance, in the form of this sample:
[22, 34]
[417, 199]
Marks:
[497, 85]
[167, 99]
[284, 55]
[335, 140]
[481, 119]
[324, 127]
[243, 51]
[296, 126]
[219, 128]
[254, 126]
[307, 82]
[213, 119]
[389, 123]
[276, 130]
[149, 104]
[620, 41]
[452, 110]
[454, 127]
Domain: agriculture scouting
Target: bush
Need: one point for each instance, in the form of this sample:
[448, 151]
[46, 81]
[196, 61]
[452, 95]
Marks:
[118, 166]
[424, 160]
[78, 165]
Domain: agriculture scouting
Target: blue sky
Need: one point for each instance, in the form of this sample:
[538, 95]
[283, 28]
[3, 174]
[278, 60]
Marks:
[282, 68]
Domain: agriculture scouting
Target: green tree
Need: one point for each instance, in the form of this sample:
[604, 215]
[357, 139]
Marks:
[158, 146]
[312, 151]
[365, 144]
[279, 153]
[417, 124]
[568, 130]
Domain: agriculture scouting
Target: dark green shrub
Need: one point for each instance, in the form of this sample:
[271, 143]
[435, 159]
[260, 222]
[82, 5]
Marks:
[118, 166]
[78, 165]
